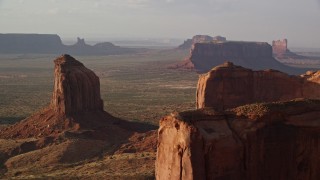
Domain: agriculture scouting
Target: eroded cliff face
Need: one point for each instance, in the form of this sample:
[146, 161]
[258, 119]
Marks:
[228, 86]
[257, 141]
[76, 88]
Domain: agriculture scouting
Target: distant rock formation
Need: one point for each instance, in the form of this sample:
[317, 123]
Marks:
[258, 141]
[280, 47]
[228, 86]
[52, 44]
[187, 44]
[281, 51]
[253, 55]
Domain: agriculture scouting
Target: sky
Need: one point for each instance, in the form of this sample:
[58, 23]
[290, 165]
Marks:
[247, 20]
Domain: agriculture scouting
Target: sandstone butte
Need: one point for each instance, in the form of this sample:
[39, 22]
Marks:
[265, 141]
[254, 55]
[228, 86]
[76, 106]
[281, 51]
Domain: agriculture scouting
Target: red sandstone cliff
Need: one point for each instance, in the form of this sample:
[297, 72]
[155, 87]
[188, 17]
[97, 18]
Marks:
[228, 86]
[258, 141]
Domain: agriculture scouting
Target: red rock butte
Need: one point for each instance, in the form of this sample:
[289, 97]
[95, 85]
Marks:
[76, 88]
[228, 86]
[76, 106]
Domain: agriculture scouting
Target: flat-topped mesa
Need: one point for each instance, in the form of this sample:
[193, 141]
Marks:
[76, 88]
[259, 141]
[253, 55]
[228, 86]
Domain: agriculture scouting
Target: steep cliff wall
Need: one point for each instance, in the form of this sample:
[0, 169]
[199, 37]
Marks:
[229, 86]
[258, 141]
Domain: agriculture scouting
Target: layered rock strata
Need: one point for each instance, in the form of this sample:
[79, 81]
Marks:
[228, 86]
[259, 141]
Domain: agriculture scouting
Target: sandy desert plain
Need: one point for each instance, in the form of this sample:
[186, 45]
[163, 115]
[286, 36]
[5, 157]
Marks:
[136, 87]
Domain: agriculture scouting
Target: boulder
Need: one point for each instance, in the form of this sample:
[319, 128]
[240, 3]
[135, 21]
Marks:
[228, 86]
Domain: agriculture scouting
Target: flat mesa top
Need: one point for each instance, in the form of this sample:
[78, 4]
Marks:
[233, 42]
[66, 59]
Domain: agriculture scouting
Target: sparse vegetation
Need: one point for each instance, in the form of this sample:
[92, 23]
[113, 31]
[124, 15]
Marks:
[133, 87]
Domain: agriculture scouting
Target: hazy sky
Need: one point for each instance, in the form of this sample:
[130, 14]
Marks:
[254, 20]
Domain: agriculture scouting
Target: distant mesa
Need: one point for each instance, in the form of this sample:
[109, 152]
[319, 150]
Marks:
[52, 44]
[228, 86]
[187, 44]
[254, 55]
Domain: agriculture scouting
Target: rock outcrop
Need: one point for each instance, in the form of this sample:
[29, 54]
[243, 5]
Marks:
[228, 86]
[52, 44]
[259, 141]
[187, 44]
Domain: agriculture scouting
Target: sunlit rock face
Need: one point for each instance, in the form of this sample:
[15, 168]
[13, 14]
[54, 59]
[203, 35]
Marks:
[228, 86]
